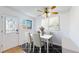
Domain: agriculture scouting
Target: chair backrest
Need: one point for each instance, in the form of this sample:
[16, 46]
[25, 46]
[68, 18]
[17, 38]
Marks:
[36, 39]
[28, 38]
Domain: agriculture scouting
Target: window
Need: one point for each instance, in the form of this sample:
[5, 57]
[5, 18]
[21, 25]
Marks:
[52, 23]
[11, 24]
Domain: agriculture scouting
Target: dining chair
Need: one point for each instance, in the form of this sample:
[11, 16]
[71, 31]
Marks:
[37, 41]
[28, 41]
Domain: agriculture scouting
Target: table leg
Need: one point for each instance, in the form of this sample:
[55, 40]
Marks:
[47, 46]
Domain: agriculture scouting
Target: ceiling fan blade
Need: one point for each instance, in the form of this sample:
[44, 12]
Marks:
[54, 12]
[53, 7]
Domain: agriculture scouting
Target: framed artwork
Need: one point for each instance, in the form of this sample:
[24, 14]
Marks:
[28, 24]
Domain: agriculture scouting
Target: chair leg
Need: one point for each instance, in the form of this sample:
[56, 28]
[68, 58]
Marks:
[26, 45]
[33, 47]
[40, 50]
[30, 47]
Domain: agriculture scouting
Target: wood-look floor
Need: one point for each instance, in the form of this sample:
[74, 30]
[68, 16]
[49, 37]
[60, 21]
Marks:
[14, 50]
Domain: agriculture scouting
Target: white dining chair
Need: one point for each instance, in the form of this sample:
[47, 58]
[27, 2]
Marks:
[28, 41]
[37, 41]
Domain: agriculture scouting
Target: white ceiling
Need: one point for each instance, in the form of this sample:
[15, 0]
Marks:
[32, 10]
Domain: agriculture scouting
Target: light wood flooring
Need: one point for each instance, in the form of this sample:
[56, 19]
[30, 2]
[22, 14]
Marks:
[14, 50]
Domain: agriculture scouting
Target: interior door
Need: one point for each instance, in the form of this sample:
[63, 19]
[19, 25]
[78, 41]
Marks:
[11, 34]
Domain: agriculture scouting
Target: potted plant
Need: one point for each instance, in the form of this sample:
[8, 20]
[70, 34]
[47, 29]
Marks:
[42, 30]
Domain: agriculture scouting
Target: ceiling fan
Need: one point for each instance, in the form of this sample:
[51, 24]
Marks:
[48, 10]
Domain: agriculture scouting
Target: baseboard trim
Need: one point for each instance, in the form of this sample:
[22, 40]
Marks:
[57, 44]
[69, 50]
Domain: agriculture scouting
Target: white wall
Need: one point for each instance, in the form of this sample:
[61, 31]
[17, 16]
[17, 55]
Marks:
[22, 35]
[72, 42]
[64, 28]
[74, 29]
[11, 39]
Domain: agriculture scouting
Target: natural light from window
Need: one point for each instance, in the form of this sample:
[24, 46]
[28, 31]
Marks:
[52, 23]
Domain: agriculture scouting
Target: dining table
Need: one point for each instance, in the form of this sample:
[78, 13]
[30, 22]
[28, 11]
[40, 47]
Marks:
[47, 37]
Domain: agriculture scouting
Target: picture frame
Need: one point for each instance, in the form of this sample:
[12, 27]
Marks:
[28, 24]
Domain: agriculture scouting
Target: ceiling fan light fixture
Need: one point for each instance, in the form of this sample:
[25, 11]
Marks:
[53, 7]
[54, 12]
